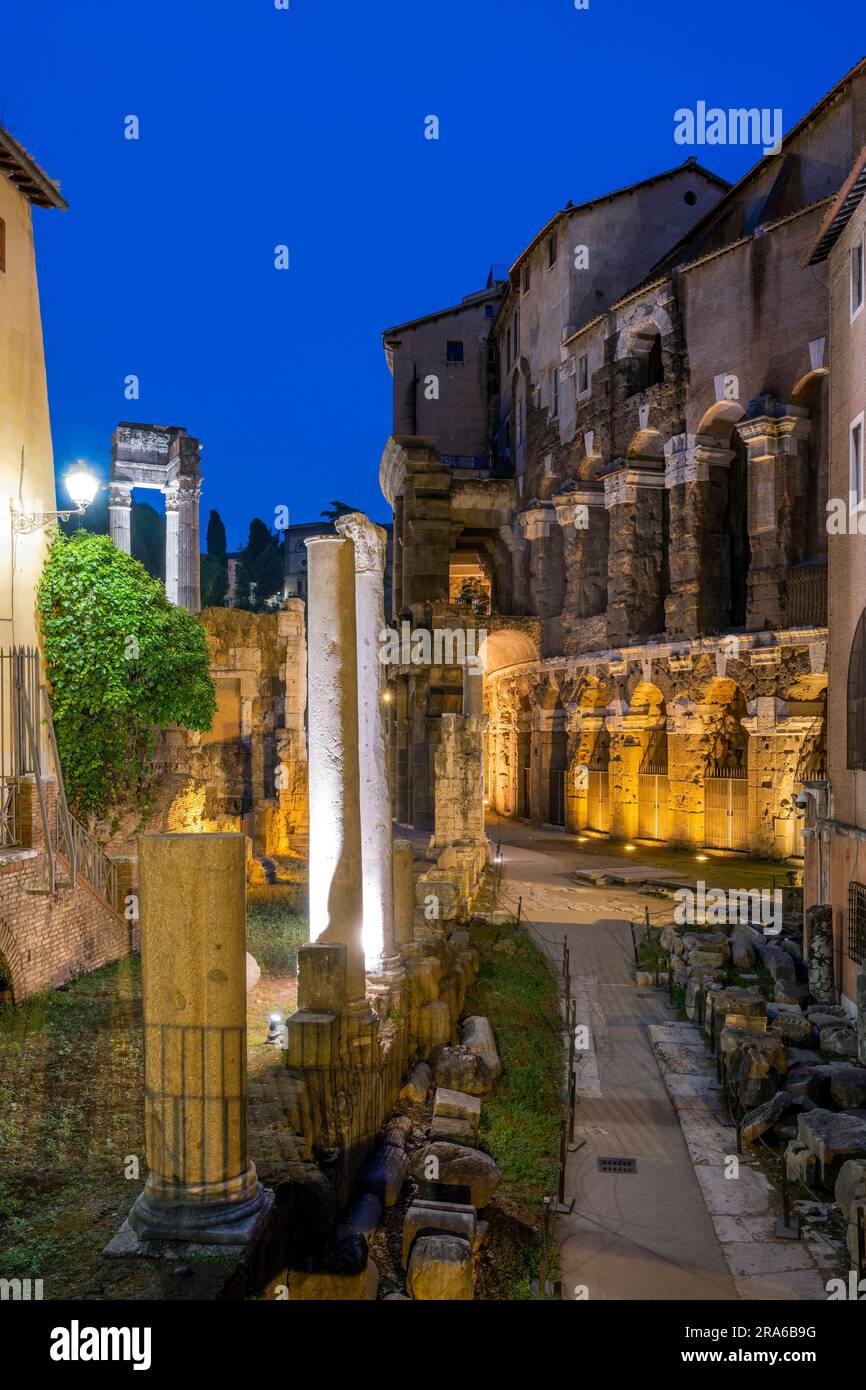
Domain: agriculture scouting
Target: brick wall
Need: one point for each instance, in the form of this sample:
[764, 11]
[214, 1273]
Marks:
[46, 939]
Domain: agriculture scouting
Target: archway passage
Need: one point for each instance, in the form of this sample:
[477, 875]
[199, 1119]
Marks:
[558, 773]
[726, 791]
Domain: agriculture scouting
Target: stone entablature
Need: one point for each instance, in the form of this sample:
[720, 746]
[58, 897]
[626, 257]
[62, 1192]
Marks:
[166, 459]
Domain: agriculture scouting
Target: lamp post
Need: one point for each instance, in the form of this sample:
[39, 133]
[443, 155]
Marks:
[81, 485]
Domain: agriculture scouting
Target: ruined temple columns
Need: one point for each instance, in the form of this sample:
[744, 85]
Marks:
[120, 516]
[336, 904]
[404, 893]
[369, 543]
[201, 1186]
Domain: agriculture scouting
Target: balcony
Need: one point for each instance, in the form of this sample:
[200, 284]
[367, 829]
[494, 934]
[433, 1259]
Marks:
[807, 594]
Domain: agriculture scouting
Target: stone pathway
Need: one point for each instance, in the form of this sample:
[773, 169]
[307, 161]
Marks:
[744, 1208]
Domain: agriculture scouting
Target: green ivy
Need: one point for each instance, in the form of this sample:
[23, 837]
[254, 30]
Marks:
[122, 663]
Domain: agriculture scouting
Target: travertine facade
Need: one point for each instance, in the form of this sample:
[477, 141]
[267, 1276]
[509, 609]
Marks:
[663, 436]
[836, 807]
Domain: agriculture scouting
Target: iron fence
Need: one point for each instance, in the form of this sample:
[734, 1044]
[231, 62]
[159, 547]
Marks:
[19, 686]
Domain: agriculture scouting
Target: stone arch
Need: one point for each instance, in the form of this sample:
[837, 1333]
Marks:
[649, 695]
[724, 455]
[11, 972]
[728, 798]
[646, 444]
[505, 647]
[651, 322]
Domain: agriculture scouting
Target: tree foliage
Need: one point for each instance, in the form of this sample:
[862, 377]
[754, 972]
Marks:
[216, 535]
[122, 662]
[260, 571]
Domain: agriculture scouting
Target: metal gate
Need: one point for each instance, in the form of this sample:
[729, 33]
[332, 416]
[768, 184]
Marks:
[653, 791]
[598, 800]
[556, 810]
[726, 811]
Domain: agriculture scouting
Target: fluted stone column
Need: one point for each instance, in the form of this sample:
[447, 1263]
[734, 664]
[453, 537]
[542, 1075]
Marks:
[201, 1186]
[120, 516]
[370, 545]
[336, 901]
[188, 559]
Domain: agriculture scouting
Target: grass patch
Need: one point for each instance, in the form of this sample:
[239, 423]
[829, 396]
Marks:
[520, 1121]
[275, 928]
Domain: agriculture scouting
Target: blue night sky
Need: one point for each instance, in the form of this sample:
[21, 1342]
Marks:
[261, 126]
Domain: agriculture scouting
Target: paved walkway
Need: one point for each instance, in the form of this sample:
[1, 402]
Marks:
[630, 1236]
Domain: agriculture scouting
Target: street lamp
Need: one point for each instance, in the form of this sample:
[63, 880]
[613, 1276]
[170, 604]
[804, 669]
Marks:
[81, 485]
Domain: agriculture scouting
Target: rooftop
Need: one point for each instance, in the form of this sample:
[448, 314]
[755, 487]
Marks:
[22, 170]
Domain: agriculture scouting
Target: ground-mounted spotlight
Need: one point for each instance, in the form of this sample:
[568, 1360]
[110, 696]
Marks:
[276, 1030]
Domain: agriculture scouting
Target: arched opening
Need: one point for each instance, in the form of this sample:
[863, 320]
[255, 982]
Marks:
[729, 481]
[557, 772]
[7, 994]
[726, 790]
[856, 711]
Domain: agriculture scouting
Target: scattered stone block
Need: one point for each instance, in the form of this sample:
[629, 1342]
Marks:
[758, 1121]
[457, 1165]
[385, 1173]
[320, 1286]
[457, 1105]
[417, 1088]
[426, 1218]
[435, 1026]
[850, 1189]
[506, 946]
[779, 964]
[453, 1130]
[848, 1087]
[441, 1270]
[458, 1069]
[645, 979]
[742, 952]
[801, 1164]
[254, 973]
[833, 1138]
[839, 1041]
[788, 992]
[792, 1027]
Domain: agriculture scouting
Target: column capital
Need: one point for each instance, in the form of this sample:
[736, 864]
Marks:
[370, 541]
[120, 494]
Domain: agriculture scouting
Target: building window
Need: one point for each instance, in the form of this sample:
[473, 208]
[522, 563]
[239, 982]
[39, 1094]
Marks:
[857, 922]
[857, 698]
[527, 278]
[2, 244]
[856, 278]
[856, 478]
[521, 422]
[583, 374]
[488, 311]
[508, 347]
[516, 334]
[455, 350]
[551, 249]
[554, 392]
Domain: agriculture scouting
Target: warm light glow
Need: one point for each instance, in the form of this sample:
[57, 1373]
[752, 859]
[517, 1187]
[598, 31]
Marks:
[628, 846]
[387, 697]
[582, 839]
[701, 858]
[81, 484]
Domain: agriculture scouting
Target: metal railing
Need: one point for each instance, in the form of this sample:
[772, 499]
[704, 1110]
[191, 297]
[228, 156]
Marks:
[86, 856]
[26, 727]
[807, 594]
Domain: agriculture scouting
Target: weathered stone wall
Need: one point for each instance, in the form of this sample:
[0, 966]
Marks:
[249, 772]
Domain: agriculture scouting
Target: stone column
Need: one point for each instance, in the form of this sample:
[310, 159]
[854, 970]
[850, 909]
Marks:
[700, 572]
[201, 1186]
[172, 574]
[120, 516]
[336, 903]
[634, 498]
[778, 445]
[370, 542]
[404, 893]
[188, 559]
[822, 974]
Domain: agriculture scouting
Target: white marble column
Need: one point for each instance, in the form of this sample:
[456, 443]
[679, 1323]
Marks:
[120, 516]
[172, 588]
[370, 545]
[336, 904]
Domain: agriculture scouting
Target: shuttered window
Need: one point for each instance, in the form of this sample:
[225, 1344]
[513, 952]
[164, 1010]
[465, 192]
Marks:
[857, 697]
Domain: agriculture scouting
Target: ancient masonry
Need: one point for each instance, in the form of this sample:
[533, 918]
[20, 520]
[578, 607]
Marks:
[166, 459]
[381, 989]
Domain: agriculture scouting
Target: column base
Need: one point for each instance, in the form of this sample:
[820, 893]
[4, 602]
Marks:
[221, 1213]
